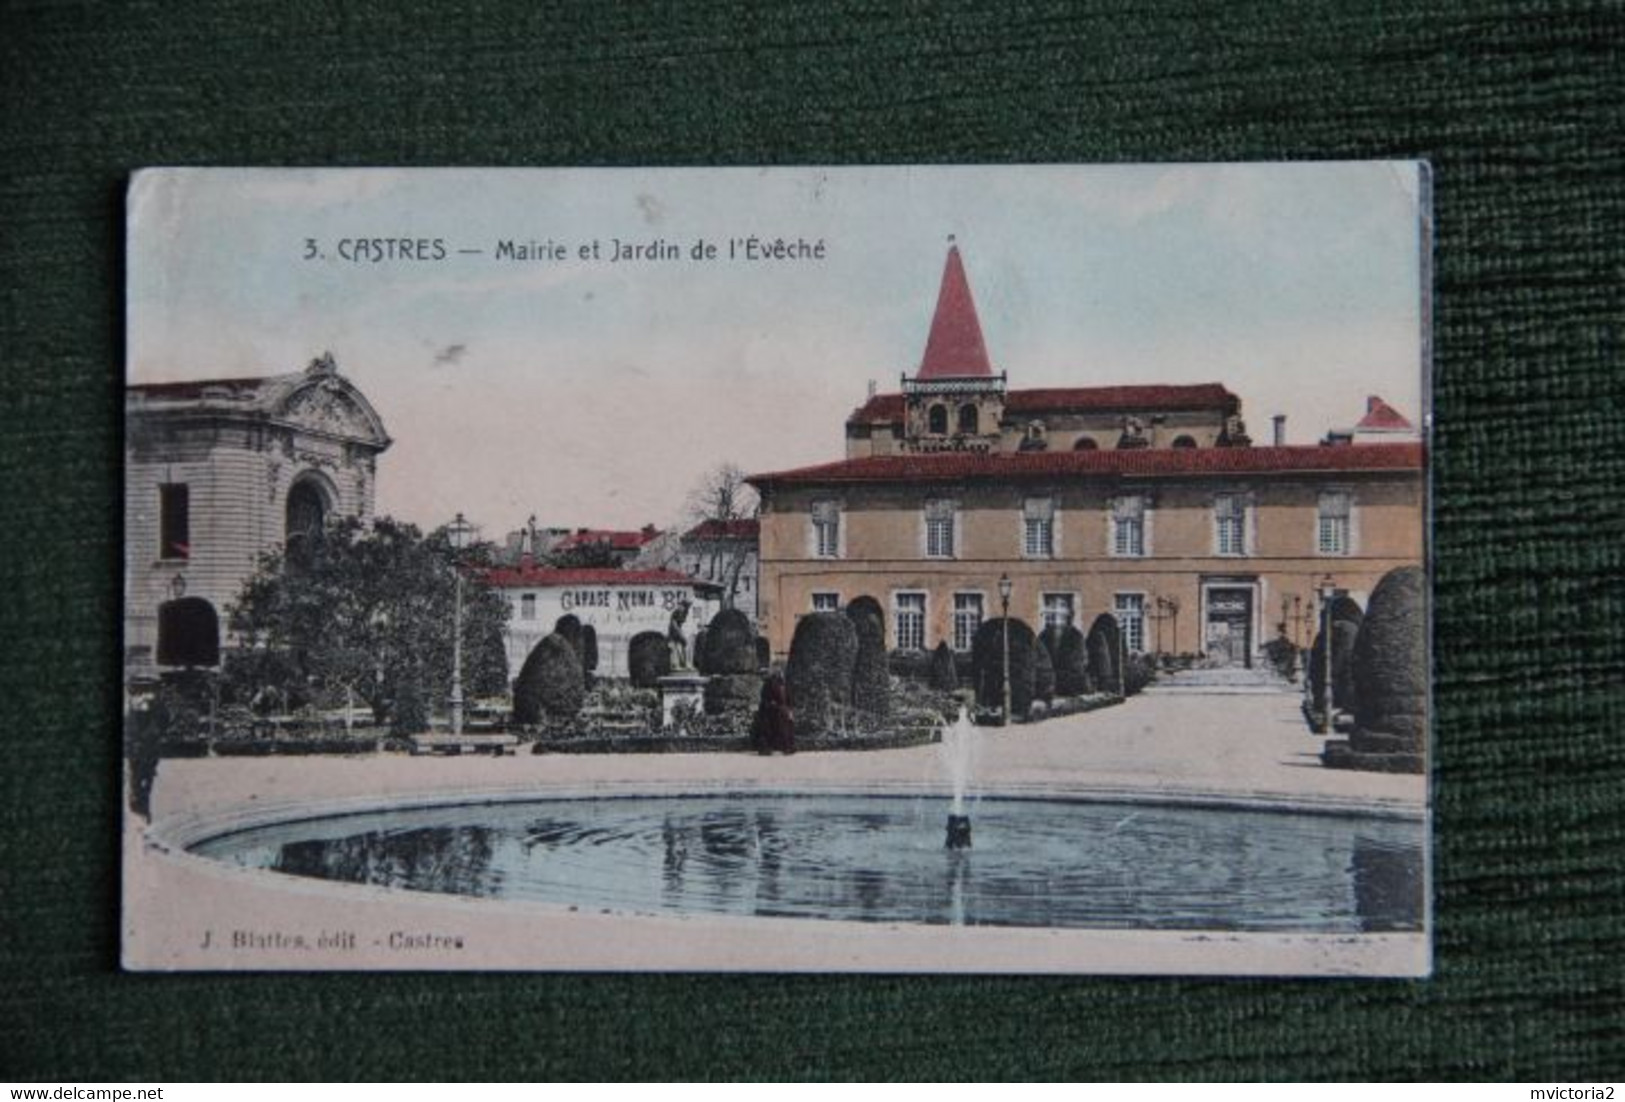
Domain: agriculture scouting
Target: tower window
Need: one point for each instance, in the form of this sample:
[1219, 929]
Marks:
[967, 418]
[307, 510]
[937, 420]
[174, 521]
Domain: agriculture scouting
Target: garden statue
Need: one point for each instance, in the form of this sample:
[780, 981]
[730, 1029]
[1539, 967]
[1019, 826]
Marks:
[677, 638]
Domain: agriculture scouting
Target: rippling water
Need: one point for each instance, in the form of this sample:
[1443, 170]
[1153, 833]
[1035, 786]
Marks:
[1035, 863]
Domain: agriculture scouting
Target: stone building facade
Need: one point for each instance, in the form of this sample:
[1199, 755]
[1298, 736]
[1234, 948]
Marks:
[220, 471]
[617, 603]
[1147, 502]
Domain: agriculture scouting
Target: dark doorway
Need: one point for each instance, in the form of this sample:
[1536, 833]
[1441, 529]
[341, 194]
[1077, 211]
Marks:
[1229, 630]
[188, 633]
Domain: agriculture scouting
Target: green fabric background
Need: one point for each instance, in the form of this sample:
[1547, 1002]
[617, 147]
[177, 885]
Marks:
[1516, 104]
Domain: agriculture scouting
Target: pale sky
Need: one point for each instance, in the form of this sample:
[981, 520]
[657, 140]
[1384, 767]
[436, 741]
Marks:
[597, 394]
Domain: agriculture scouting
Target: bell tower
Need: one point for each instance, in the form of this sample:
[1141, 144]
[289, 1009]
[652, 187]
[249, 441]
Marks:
[954, 402]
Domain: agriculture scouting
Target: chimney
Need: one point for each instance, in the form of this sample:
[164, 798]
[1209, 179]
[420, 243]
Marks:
[1280, 429]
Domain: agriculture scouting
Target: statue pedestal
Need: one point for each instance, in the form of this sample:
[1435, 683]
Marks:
[675, 689]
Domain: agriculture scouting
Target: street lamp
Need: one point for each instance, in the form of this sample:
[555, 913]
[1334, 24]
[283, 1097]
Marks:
[1004, 602]
[1327, 590]
[459, 533]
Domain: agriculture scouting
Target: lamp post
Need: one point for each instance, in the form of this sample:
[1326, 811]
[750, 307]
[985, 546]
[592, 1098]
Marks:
[1004, 602]
[458, 532]
[1326, 591]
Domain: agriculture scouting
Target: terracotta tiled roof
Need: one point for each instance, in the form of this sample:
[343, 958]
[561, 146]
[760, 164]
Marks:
[1081, 399]
[880, 407]
[1380, 415]
[742, 529]
[542, 577]
[955, 349]
[617, 540]
[1095, 399]
[1150, 462]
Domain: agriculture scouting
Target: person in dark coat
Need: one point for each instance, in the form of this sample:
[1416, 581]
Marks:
[775, 726]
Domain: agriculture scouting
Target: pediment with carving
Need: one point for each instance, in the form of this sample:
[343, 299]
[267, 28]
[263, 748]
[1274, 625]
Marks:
[328, 407]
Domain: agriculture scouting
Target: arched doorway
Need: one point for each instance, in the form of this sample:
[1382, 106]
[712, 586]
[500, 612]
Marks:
[188, 633]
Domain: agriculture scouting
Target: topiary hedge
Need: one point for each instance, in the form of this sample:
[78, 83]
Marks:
[987, 664]
[1071, 663]
[648, 659]
[569, 627]
[1043, 673]
[1347, 609]
[1345, 634]
[1138, 672]
[871, 680]
[1105, 649]
[944, 674]
[823, 652]
[699, 654]
[733, 694]
[550, 682]
[1390, 667]
[730, 643]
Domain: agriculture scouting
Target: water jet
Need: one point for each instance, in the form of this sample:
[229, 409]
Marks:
[958, 757]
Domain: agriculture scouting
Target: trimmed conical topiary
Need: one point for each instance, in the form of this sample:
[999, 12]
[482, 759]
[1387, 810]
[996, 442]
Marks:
[730, 644]
[944, 676]
[1390, 665]
[1105, 648]
[871, 679]
[569, 627]
[987, 662]
[648, 658]
[1043, 673]
[1345, 633]
[819, 673]
[1072, 664]
[550, 682]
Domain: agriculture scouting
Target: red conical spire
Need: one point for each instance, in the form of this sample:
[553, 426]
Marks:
[954, 350]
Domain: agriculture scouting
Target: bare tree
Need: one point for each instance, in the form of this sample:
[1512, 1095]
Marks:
[715, 506]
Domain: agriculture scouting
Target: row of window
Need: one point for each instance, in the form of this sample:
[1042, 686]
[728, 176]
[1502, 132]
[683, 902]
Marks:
[1056, 610]
[306, 512]
[1128, 519]
[968, 421]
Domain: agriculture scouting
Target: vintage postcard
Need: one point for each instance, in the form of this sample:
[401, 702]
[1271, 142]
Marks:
[937, 569]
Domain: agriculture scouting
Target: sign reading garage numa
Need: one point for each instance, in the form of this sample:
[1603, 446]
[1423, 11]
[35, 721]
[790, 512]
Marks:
[617, 603]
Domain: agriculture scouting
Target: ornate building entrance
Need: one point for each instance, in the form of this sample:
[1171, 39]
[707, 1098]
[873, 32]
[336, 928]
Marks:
[1228, 632]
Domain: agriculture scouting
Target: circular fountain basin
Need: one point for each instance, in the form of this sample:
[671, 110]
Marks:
[1036, 862]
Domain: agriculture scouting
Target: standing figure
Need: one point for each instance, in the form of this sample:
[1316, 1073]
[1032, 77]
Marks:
[775, 726]
[677, 639]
